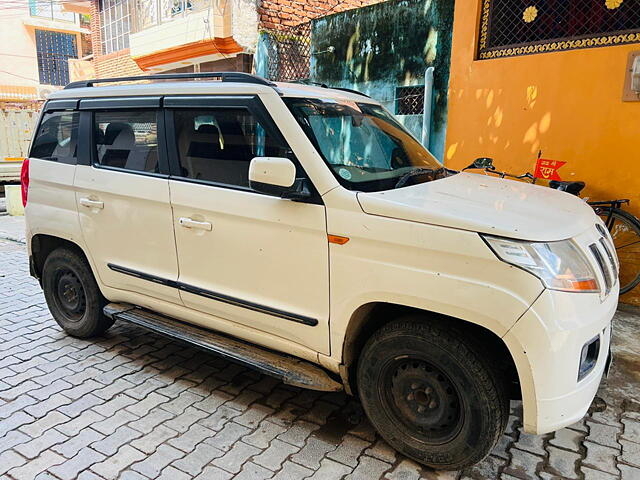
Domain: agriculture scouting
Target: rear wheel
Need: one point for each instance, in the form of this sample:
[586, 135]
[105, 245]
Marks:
[431, 394]
[72, 294]
[625, 231]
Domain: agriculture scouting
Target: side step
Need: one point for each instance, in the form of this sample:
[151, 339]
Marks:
[290, 370]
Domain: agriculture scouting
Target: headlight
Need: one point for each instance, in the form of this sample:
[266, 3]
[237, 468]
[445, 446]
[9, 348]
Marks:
[560, 265]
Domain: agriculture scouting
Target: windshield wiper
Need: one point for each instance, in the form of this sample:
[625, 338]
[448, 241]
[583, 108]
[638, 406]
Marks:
[433, 173]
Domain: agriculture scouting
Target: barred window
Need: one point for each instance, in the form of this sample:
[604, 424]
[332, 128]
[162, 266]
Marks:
[521, 27]
[115, 21]
[53, 51]
[410, 100]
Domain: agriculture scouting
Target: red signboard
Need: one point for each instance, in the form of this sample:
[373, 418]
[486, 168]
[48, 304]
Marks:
[548, 169]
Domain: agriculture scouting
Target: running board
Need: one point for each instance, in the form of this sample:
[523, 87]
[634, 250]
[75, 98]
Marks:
[290, 370]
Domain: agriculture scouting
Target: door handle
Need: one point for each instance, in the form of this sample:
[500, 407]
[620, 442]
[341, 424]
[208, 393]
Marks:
[87, 202]
[191, 223]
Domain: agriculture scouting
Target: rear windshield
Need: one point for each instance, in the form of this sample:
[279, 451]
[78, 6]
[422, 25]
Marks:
[364, 145]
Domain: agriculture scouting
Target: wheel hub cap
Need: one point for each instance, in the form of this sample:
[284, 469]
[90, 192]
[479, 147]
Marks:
[71, 297]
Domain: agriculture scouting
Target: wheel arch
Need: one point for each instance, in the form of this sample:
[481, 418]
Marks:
[370, 317]
[43, 244]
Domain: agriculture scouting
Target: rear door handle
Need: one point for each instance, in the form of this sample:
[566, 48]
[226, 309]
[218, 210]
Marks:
[87, 202]
[191, 223]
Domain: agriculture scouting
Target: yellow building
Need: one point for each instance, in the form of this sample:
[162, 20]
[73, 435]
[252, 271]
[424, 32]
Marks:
[549, 78]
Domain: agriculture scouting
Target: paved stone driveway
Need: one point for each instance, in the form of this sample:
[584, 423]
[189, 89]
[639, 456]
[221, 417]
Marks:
[133, 405]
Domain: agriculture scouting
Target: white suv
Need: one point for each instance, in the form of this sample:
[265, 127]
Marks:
[302, 231]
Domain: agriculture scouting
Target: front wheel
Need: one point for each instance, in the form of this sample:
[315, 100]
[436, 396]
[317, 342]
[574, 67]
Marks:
[431, 395]
[72, 294]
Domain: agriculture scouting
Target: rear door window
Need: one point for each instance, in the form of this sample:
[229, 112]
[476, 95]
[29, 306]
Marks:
[57, 138]
[127, 139]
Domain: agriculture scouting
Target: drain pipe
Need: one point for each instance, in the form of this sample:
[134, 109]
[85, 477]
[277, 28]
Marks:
[428, 100]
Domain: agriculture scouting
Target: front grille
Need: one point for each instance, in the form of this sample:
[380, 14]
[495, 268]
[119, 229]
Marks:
[604, 256]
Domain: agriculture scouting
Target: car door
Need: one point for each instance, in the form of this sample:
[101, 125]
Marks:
[256, 260]
[122, 192]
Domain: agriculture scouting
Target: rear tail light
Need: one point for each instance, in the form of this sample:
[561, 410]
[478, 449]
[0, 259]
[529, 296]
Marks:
[24, 181]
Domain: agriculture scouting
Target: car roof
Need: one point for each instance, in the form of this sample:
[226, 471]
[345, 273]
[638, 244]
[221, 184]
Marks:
[201, 87]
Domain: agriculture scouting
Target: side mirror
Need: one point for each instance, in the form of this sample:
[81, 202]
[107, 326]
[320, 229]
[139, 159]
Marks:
[277, 176]
[481, 163]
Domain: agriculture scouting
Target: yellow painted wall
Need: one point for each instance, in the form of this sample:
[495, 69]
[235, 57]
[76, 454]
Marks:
[567, 104]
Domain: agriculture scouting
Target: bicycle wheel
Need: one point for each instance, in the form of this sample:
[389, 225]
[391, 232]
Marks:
[625, 231]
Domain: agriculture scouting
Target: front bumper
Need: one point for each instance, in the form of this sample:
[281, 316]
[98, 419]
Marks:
[546, 343]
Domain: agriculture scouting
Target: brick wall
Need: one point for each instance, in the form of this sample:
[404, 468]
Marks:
[116, 64]
[276, 14]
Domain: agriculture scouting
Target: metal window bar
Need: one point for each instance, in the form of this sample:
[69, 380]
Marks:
[53, 51]
[518, 27]
[289, 53]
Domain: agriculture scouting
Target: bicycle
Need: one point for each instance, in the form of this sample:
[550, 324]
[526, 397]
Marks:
[623, 226]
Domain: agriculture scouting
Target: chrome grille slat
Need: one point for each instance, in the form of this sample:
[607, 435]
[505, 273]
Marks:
[604, 269]
[612, 261]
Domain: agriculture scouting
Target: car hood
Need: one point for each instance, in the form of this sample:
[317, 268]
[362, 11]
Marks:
[486, 204]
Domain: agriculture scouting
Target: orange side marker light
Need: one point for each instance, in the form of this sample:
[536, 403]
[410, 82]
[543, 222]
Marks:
[337, 239]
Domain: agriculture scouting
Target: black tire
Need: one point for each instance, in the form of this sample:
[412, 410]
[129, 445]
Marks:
[72, 294]
[431, 395]
[625, 231]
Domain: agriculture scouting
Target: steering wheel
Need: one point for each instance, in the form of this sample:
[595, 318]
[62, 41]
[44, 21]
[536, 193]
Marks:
[404, 179]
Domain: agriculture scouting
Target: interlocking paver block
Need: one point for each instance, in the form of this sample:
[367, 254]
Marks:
[153, 465]
[330, 469]
[182, 422]
[111, 424]
[563, 462]
[298, 433]
[631, 453]
[567, 439]
[109, 445]
[87, 418]
[76, 443]
[293, 471]
[233, 460]
[629, 473]
[36, 446]
[264, 434]
[368, 468]
[214, 473]
[349, 450]
[251, 471]
[148, 422]
[487, 468]
[631, 430]
[114, 464]
[38, 427]
[188, 440]
[274, 456]
[194, 462]
[523, 464]
[172, 473]
[31, 469]
[10, 460]
[604, 434]
[591, 474]
[155, 438]
[313, 452]
[70, 469]
[601, 457]
[229, 435]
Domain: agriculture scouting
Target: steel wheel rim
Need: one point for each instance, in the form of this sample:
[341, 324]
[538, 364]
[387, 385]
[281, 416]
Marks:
[69, 294]
[423, 399]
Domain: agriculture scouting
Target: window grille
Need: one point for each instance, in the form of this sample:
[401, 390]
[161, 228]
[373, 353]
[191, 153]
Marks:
[410, 100]
[521, 27]
[54, 49]
[289, 53]
[115, 25]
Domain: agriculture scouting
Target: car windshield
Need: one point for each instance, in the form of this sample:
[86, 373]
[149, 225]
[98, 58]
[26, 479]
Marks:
[365, 146]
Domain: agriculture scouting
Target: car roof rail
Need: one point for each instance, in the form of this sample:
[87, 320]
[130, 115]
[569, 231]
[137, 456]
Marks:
[350, 90]
[236, 77]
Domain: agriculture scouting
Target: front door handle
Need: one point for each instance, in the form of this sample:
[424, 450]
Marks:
[87, 202]
[191, 223]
